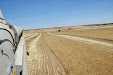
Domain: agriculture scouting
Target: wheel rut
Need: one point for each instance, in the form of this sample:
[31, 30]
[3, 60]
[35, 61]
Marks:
[87, 40]
[41, 60]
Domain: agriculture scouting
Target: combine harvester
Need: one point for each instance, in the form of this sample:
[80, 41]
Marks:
[13, 58]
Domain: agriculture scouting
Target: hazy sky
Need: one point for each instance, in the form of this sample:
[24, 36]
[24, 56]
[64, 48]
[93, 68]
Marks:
[34, 14]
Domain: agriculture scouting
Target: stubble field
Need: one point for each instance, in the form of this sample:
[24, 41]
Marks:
[81, 50]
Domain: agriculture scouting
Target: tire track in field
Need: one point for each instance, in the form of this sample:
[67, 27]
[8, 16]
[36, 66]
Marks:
[87, 40]
[27, 35]
[41, 60]
[47, 61]
[32, 58]
[30, 36]
[78, 57]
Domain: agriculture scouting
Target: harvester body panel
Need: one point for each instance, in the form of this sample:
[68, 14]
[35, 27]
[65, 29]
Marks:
[13, 59]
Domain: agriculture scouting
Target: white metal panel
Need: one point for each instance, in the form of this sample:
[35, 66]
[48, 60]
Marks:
[21, 58]
[19, 55]
[3, 64]
[25, 66]
[18, 30]
[7, 27]
[7, 57]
